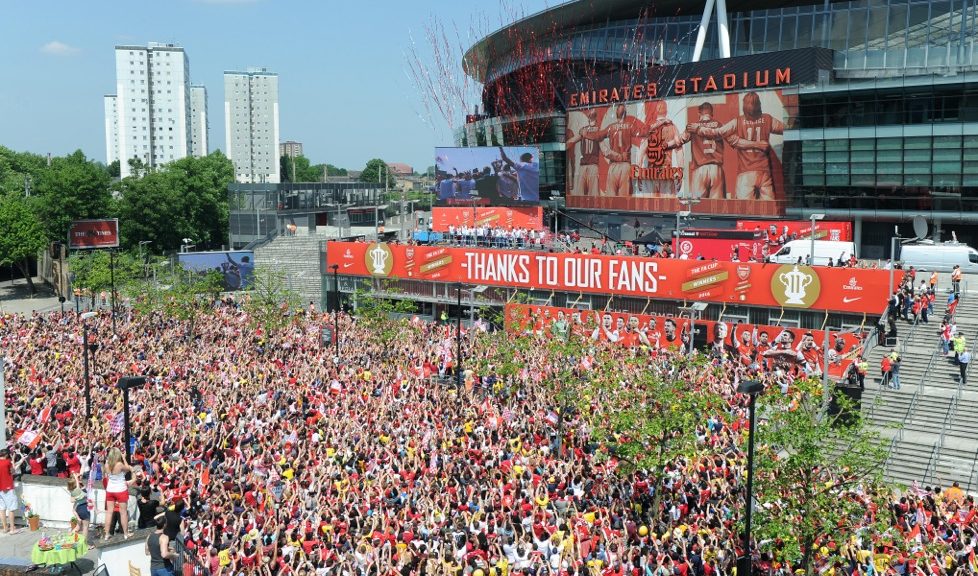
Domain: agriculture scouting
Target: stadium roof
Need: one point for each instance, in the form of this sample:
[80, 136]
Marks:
[575, 13]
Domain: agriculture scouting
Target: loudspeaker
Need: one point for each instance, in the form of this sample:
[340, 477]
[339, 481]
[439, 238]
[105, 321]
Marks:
[130, 382]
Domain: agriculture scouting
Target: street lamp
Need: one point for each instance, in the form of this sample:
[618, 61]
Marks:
[679, 219]
[811, 252]
[458, 339]
[187, 245]
[88, 382]
[336, 307]
[125, 383]
[145, 256]
[752, 388]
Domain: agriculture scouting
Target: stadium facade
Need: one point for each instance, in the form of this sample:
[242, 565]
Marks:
[870, 110]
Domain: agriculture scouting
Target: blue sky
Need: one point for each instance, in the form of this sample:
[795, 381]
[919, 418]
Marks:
[345, 87]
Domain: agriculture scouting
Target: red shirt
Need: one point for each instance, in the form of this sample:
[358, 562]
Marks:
[6, 474]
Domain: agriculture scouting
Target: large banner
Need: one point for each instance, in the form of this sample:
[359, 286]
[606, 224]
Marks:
[722, 151]
[799, 229]
[767, 346]
[491, 176]
[710, 244]
[508, 218]
[855, 290]
[235, 267]
[85, 234]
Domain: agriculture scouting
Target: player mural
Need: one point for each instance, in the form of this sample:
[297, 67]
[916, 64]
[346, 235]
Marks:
[722, 150]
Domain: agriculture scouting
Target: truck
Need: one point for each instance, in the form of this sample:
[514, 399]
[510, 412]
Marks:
[938, 256]
[825, 250]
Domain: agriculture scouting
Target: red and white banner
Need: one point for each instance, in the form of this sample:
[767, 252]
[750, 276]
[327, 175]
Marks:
[799, 229]
[748, 343]
[85, 234]
[790, 286]
[507, 218]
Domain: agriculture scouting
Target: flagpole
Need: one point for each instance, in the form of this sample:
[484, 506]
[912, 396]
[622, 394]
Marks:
[3, 409]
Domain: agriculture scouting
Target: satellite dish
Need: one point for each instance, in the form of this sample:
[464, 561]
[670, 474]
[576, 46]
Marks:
[920, 226]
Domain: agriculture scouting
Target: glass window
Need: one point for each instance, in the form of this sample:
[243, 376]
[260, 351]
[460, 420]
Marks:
[857, 29]
[837, 30]
[804, 31]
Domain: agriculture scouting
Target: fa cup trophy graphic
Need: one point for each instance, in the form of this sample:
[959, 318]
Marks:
[378, 259]
[795, 283]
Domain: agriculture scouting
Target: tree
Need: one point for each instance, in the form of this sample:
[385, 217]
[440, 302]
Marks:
[113, 169]
[299, 169]
[334, 170]
[382, 316]
[72, 188]
[22, 236]
[375, 172]
[808, 465]
[93, 270]
[270, 300]
[185, 199]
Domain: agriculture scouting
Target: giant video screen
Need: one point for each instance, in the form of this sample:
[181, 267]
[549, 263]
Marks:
[718, 153]
[487, 176]
[236, 268]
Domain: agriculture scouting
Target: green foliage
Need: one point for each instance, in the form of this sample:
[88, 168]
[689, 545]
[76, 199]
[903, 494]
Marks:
[334, 170]
[21, 234]
[375, 172]
[92, 269]
[186, 199]
[271, 299]
[113, 169]
[381, 315]
[299, 169]
[805, 460]
[72, 188]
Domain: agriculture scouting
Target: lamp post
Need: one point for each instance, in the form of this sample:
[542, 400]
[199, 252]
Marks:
[893, 248]
[458, 339]
[125, 383]
[752, 388]
[336, 307]
[679, 223]
[145, 256]
[811, 251]
[88, 382]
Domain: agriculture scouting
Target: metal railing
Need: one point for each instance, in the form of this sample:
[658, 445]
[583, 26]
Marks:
[952, 407]
[906, 341]
[973, 477]
[185, 559]
[268, 237]
[931, 463]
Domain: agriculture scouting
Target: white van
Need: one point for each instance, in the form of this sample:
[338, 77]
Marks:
[926, 255]
[824, 251]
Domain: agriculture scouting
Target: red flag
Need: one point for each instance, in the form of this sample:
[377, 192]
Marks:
[46, 414]
[205, 478]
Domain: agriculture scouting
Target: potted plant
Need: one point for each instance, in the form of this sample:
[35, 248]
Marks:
[33, 520]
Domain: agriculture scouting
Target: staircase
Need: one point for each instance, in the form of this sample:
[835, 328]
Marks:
[298, 257]
[930, 421]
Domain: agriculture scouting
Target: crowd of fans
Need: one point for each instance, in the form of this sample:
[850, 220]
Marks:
[271, 457]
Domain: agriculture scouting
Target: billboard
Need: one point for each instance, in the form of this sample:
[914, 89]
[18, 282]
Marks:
[721, 245]
[505, 217]
[855, 290]
[236, 267]
[799, 229]
[87, 234]
[721, 150]
[767, 347]
[488, 176]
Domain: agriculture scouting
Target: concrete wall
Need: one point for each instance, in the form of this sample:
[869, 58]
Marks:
[116, 557]
[50, 500]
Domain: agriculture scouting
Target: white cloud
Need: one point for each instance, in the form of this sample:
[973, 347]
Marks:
[227, 2]
[56, 48]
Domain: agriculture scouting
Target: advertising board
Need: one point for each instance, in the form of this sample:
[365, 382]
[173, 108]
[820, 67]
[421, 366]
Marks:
[855, 290]
[506, 217]
[722, 152]
[88, 234]
[767, 346]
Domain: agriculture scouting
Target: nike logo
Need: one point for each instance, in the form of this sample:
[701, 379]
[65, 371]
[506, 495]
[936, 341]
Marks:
[848, 300]
[347, 265]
